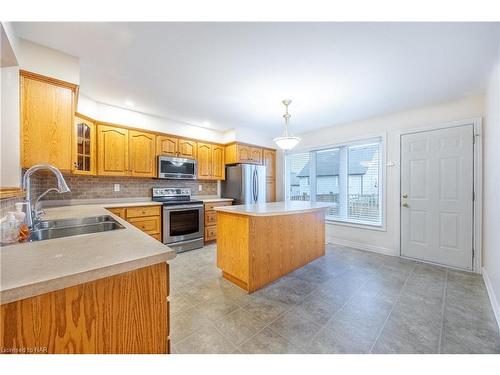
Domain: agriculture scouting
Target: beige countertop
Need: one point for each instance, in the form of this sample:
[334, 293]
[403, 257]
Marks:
[212, 200]
[123, 202]
[275, 208]
[35, 268]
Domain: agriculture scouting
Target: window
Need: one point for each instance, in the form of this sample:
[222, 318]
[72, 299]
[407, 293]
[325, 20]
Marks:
[299, 187]
[348, 176]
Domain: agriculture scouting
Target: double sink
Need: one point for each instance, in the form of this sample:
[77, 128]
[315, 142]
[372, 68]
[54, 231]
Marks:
[50, 229]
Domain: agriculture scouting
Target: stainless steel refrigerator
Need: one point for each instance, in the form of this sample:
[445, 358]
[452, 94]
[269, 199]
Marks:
[245, 183]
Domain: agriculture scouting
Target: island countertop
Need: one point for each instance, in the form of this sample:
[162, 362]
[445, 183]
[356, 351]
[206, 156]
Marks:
[275, 208]
[34, 268]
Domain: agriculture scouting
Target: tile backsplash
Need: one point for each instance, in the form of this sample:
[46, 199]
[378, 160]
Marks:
[7, 205]
[96, 187]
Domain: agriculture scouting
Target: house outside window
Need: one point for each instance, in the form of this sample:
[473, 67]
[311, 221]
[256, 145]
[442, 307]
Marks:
[347, 175]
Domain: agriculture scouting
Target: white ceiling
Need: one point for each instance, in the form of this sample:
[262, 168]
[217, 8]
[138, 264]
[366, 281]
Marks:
[235, 75]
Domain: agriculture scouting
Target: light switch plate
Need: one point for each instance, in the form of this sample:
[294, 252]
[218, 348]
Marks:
[117, 187]
[200, 187]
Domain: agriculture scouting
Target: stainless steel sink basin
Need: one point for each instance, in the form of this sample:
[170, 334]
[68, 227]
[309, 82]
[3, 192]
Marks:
[73, 227]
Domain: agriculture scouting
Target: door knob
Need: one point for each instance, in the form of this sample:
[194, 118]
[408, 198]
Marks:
[405, 195]
[406, 204]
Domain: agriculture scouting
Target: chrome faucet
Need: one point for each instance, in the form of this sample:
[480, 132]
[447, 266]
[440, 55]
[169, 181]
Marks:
[32, 213]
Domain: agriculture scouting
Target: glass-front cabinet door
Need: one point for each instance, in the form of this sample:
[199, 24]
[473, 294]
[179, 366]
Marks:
[84, 146]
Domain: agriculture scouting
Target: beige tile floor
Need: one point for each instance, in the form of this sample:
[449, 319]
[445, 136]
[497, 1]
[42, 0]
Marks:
[348, 301]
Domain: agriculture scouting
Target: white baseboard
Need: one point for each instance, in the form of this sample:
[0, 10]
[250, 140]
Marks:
[361, 246]
[491, 294]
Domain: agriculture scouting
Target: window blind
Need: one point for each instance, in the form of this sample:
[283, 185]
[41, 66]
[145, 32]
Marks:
[348, 176]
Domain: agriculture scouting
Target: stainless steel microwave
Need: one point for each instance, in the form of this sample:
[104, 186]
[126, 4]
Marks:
[176, 168]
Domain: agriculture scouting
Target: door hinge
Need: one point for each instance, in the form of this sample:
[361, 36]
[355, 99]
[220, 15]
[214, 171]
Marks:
[473, 139]
[473, 253]
[473, 195]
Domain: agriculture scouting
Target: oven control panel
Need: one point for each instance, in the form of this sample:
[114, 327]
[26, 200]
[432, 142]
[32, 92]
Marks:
[171, 192]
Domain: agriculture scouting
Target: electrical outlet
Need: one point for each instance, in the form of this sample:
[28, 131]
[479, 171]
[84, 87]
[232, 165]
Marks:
[200, 187]
[117, 187]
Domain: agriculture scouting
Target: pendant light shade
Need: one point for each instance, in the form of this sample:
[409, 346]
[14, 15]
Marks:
[287, 141]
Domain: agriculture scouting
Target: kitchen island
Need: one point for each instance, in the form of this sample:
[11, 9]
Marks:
[259, 243]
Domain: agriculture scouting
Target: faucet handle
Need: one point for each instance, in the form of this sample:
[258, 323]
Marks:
[39, 214]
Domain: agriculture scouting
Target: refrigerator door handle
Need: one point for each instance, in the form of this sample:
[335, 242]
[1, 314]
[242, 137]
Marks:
[254, 185]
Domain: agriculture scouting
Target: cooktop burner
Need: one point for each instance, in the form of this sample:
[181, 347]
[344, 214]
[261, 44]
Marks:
[174, 196]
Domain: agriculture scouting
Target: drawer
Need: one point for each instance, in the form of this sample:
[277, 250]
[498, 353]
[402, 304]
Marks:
[210, 206]
[143, 211]
[156, 236]
[211, 233]
[118, 212]
[210, 217]
[147, 224]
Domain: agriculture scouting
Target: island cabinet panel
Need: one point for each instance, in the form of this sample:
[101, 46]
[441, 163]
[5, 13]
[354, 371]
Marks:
[112, 151]
[234, 260]
[142, 154]
[122, 314]
[47, 109]
[253, 251]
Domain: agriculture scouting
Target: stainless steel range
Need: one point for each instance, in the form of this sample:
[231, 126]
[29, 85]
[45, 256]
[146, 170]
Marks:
[183, 218]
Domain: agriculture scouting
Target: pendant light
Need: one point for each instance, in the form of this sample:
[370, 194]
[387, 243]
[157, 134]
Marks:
[286, 142]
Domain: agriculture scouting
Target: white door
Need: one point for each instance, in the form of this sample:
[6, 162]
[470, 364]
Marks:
[437, 196]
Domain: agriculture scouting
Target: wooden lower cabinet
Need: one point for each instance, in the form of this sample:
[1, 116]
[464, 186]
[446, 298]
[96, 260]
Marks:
[211, 219]
[146, 218]
[126, 313]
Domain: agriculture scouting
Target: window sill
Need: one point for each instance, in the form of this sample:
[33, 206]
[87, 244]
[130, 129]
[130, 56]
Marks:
[379, 228]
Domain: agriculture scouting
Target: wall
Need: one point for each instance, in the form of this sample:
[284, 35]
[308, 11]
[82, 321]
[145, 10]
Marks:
[47, 61]
[491, 188]
[10, 173]
[390, 125]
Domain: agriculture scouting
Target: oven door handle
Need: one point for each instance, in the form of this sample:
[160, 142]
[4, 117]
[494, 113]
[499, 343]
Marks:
[178, 208]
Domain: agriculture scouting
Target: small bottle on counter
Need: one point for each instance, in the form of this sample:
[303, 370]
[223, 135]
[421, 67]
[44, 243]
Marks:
[9, 229]
[24, 231]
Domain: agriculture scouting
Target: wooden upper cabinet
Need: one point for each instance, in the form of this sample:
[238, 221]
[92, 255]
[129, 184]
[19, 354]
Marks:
[256, 155]
[244, 153]
[142, 155]
[186, 148]
[241, 153]
[84, 146]
[269, 160]
[218, 166]
[204, 161]
[166, 145]
[47, 109]
[112, 151]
